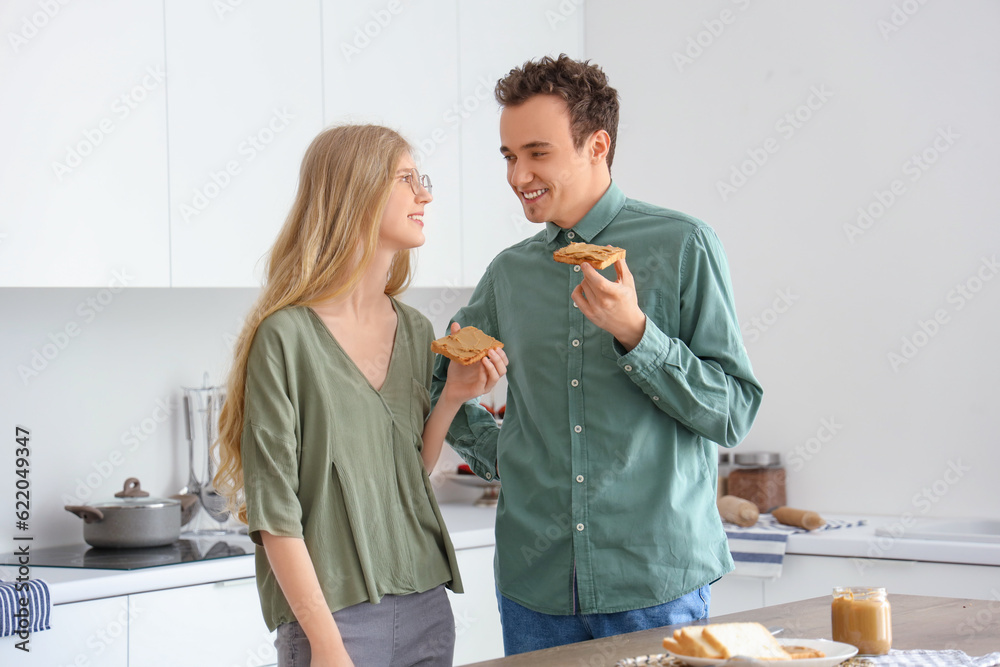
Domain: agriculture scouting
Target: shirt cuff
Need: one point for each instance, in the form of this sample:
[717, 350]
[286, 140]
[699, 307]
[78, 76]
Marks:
[652, 351]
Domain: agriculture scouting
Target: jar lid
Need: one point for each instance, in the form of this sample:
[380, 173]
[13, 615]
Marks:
[757, 459]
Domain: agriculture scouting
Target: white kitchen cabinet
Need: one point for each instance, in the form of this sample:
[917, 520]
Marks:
[492, 217]
[734, 593]
[395, 63]
[83, 145]
[477, 620]
[245, 101]
[94, 632]
[813, 576]
[200, 626]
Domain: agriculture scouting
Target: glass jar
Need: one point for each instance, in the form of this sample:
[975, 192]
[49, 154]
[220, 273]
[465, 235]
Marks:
[759, 478]
[862, 617]
[724, 467]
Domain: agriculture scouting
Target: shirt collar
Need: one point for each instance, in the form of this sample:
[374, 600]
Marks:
[596, 219]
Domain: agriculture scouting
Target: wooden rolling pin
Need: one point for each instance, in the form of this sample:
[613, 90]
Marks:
[799, 518]
[737, 510]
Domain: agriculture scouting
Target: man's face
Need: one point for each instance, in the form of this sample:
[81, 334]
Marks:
[553, 181]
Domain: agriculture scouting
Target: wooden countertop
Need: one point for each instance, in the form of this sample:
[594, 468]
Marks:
[918, 622]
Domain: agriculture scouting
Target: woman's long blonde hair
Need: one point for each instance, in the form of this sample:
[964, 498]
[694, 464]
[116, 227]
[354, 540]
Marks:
[346, 177]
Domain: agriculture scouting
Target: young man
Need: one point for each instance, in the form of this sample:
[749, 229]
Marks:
[621, 385]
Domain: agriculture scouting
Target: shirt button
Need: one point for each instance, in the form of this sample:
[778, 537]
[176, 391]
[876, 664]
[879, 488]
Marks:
[574, 305]
[579, 526]
[489, 475]
[576, 342]
[575, 382]
[577, 428]
[656, 398]
[571, 235]
[576, 267]
[628, 367]
[579, 478]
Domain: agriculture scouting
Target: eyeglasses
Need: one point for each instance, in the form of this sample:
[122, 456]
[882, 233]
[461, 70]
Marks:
[417, 181]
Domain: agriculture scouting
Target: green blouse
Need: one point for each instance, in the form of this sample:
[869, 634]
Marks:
[329, 459]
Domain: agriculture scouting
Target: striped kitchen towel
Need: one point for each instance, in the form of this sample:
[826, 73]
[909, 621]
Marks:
[39, 607]
[758, 551]
[932, 659]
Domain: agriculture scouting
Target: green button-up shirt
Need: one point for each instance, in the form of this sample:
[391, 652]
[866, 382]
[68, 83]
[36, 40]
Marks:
[608, 460]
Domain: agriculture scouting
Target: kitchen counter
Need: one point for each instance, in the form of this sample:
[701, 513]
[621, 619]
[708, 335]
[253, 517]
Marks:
[918, 622]
[472, 527]
[469, 526]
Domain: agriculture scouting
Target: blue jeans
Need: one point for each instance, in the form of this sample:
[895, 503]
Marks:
[526, 630]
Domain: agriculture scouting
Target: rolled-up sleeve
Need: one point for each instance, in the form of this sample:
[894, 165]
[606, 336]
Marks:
[269, 447]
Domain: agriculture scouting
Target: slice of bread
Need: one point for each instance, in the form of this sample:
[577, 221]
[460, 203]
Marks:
[598, 256]
[749, 639]
[692, 642]
[467, 346]
[672, 646]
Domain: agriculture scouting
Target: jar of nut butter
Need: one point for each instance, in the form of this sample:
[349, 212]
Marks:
[759, 478]
[862, 617]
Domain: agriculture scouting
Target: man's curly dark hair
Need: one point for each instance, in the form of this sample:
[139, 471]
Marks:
[593, 104]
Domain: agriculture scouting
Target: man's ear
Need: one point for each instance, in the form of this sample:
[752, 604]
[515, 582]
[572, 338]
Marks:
[598, 146]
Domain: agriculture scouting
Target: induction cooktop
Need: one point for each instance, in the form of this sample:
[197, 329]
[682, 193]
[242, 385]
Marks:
[188, 549]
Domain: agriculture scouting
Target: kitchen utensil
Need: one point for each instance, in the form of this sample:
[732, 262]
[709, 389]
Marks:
[736, 510]
[133, 520]
[202, 406]
[798, 518]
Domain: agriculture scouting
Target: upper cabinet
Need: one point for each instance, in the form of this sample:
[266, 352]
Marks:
[495, 37]
[83, 145]
[396, 63]
[152, 144]
[245, 100]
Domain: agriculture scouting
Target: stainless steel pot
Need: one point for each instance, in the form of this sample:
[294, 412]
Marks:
[132, 520]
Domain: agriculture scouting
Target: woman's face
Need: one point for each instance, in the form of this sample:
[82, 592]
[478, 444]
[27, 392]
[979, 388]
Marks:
[402, 226]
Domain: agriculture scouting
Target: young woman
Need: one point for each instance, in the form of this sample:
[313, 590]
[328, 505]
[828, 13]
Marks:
[327, 438]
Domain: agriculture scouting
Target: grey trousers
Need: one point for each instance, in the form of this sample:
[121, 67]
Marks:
[402, 630]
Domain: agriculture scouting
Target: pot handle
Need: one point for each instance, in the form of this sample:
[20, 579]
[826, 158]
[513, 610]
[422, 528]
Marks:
[88, 514]
[132, 489]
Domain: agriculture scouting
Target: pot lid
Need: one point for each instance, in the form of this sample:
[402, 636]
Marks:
[133, 495]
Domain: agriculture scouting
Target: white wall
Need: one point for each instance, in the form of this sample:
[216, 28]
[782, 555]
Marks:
[822, 309]
[824, 357]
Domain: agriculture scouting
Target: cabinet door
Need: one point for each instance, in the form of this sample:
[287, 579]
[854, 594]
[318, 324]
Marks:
[734, 593]
[477, 620]
[83, 633]
[395, 63]
[200, 626]
[813, 576]
[492, 218]
[83, 146]
[245, 101]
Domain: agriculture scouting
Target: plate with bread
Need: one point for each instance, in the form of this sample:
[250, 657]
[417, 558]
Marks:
[719, 643]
